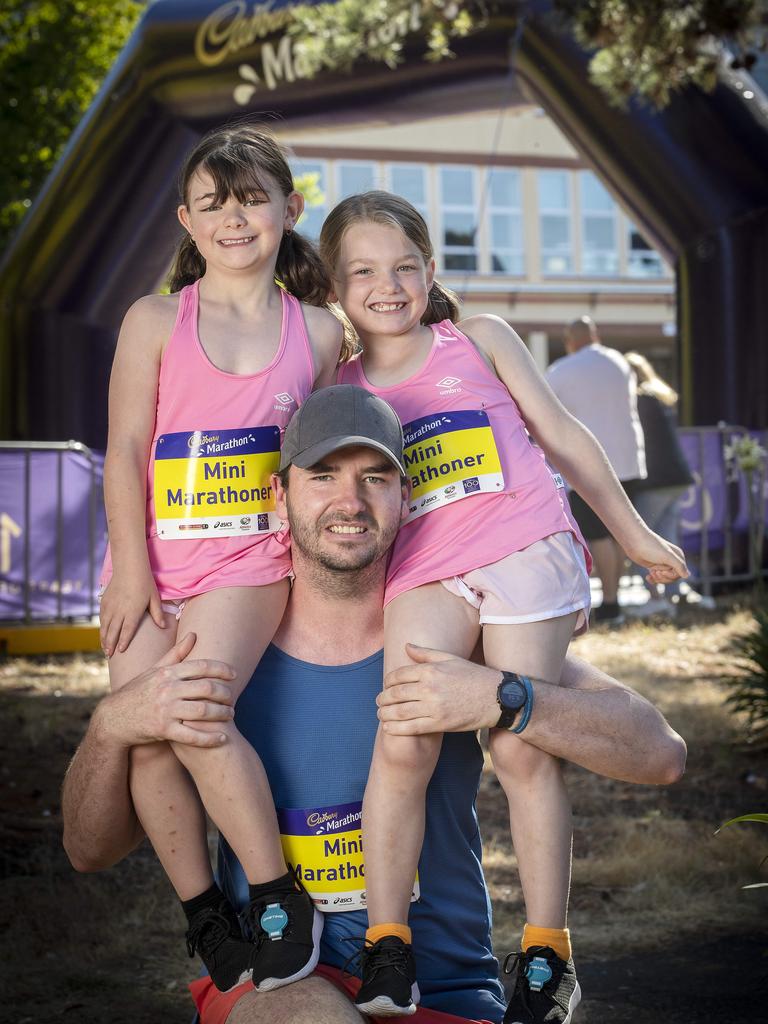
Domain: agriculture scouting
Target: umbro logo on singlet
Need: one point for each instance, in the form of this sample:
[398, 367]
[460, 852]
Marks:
[449, 385]
[285, 401]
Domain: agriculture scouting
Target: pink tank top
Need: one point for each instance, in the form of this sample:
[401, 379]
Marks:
[210, 506]
[481, 488]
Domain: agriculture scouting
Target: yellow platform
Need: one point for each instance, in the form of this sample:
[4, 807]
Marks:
[49, 638]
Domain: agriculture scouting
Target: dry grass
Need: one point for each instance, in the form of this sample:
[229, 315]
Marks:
[647, 866]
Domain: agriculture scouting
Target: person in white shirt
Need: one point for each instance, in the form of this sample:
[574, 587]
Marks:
[597, 386]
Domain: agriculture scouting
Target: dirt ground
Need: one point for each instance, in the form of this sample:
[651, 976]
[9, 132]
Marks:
[662, 928]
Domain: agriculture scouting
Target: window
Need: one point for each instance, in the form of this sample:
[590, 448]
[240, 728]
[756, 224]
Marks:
[353, 178]
[642, 260]
[555, 222]
[410, 182]
[459, 218]
[599, 253]
[316, 188]
[505, 221]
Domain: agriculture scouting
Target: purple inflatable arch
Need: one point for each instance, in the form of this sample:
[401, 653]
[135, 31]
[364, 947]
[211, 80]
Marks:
[99, 235]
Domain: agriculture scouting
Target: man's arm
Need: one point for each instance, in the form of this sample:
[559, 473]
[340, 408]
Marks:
[589, 718]
[175, 700]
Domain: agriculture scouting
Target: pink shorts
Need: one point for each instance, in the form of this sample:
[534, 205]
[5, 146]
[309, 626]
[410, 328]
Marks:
[543, 581]
[214, 1007]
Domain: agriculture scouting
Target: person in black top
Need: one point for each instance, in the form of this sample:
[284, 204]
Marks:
[669, 476]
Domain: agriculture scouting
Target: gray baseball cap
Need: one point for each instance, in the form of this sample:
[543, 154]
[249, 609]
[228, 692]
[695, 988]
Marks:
[338, 417]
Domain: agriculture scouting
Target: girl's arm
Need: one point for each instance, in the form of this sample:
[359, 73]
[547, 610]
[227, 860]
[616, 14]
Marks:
[571, 447]
[132, 408]
[325, 334]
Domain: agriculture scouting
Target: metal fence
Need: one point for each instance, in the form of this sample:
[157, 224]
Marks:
[724, 514]
[52, 531]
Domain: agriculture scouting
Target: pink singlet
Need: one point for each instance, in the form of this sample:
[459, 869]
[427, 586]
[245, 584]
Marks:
[481, 488]
[233, 424]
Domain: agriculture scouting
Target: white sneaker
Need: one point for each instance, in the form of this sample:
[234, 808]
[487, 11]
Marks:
[654, 606]
[697, 600]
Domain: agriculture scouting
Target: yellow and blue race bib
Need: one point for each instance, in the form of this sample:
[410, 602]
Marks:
[325, 847]
[216, 483]
[450, 456]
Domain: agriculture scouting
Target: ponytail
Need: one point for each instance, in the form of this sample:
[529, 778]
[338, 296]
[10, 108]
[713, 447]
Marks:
[442, 304]
[301, 271]
[188, 265]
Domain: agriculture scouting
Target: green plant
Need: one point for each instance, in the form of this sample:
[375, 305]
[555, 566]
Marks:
[749, 817]
[53, 58]
[750, 687]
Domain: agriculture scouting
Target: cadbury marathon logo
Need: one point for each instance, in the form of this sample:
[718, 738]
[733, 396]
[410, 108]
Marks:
[237, 26]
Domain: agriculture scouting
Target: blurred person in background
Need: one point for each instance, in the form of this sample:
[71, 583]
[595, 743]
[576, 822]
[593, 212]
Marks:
[657, 497]
[597, 386]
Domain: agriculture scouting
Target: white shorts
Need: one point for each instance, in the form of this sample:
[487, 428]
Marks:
[543, 581]
[169, 607]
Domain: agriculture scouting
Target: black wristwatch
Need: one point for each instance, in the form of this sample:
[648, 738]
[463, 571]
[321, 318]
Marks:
[511, 696]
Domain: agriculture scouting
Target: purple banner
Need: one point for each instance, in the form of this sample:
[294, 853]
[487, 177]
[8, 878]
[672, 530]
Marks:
[718, 500]
[57, 533]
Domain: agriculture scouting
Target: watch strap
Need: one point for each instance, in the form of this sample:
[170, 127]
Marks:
[508, 716]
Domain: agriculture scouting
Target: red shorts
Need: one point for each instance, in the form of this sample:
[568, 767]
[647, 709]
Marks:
[214, 1007]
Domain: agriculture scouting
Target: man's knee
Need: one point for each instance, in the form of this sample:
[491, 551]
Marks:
[311, 1001]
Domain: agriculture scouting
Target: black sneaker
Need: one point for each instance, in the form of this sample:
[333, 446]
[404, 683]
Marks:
[286, 930]
[389, 986]
[609, 613]
[544, 988]
[215, 934]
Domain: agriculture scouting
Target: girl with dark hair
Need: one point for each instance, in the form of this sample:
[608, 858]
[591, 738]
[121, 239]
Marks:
[510, 559]
[204, 382]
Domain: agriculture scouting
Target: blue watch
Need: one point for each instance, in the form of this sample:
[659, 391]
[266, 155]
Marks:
[514, 694]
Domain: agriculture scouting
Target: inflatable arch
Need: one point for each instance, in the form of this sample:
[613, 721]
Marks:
[693, 177]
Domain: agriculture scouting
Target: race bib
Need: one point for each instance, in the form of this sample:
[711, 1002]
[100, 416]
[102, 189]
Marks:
[450, 456]
[325, 847]
[216, 483]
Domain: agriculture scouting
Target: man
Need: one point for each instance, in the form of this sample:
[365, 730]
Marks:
[309, 710]
[597, 386]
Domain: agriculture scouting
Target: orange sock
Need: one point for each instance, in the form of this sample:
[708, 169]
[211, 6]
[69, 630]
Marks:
[558, 939]
[380, 931]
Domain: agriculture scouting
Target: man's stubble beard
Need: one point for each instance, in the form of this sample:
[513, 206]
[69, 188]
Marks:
[341, 573]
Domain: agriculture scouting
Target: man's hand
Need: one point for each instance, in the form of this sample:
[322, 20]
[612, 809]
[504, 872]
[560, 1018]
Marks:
[175, 700]
[439, 693]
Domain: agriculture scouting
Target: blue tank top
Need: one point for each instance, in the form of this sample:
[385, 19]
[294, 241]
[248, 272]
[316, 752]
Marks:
[314, 727]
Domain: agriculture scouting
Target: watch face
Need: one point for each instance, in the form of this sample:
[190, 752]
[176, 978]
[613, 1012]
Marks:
[512, 694]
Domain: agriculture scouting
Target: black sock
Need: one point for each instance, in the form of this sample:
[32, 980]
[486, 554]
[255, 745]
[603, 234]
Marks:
[212, 897]
[285, 883]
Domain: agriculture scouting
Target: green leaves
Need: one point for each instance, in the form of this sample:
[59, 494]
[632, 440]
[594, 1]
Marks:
[334, 36]
[749, 689]
[651, 48]
[748, 817]
[745, 817]
[53, 58]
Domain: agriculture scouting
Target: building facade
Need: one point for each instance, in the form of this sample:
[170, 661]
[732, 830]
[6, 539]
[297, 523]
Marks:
[522, 227]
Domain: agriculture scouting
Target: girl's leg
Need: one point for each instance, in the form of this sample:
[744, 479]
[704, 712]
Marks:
[393, 807]
[235, 625]
[539, 807]
[163, 794]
